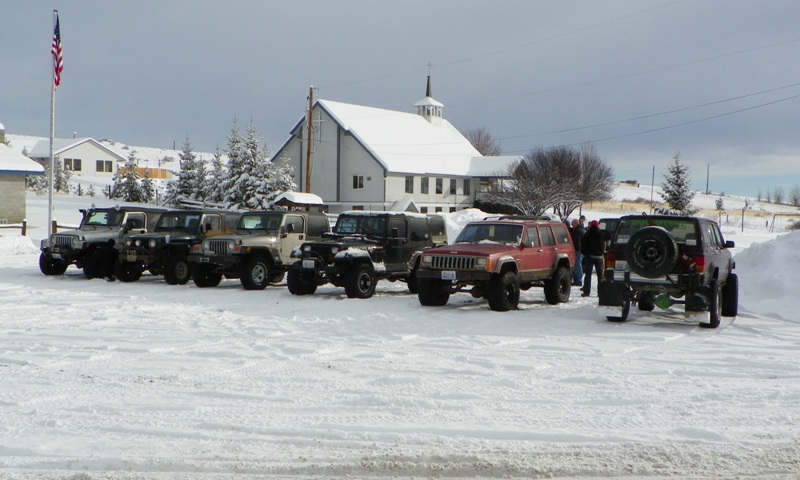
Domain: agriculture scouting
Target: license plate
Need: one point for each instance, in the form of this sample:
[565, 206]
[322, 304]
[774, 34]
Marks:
[56, 255]
[308, 264]
[205, 260]
[448, 275]
[621, 265]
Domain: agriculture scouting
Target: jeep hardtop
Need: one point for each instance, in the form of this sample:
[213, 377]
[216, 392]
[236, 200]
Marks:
[258, 252]
[366, 247]
[661, 260]
[496, 259]
[165, 250]
[95, 244]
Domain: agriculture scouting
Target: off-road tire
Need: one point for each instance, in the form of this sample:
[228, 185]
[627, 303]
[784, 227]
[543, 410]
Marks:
[623, 316]
[714, 307]
[255, 274]
[412, 281]
[206, 278]
[127, 271]
[730, 296]
[647, 301]
[651, 252]
[360, 282]
[432, 293]
[558, 288]
[503, 292]
[176, 270]
[298, 284]
[50, 266]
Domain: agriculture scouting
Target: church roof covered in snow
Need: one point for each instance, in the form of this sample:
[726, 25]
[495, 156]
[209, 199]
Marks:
[408, 143]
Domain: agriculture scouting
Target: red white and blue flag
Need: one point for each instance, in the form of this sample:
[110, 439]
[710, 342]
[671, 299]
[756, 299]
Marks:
[58, 59]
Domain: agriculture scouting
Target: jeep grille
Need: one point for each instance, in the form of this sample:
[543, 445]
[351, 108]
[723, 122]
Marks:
[219, 247]
[63, 240]
[323, 252]
[452, 262]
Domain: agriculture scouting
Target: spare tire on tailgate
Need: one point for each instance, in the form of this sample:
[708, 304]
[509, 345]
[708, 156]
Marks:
[651, 252]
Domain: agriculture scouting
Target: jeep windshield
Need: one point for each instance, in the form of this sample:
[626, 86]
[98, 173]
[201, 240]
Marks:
[491, 233]
[360, 225]
[260, 221]
[103, 218]
[682, 230]
[178, 221]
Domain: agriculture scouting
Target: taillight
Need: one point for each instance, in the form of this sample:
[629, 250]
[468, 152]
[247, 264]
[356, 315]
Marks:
[699, 263]
[611, 259]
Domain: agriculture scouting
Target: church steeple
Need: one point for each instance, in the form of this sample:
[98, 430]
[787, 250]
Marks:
[429, 108]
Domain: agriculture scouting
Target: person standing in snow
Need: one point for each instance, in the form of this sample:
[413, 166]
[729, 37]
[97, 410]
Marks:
[592, 248]
[577, 231]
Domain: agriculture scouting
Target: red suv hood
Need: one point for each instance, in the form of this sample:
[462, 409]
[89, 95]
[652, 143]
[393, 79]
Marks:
[471, 249]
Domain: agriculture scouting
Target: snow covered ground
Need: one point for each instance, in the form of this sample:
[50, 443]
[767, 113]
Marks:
[150, 381]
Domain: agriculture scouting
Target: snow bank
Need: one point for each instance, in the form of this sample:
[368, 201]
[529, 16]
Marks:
[769, 275]
[17, 245]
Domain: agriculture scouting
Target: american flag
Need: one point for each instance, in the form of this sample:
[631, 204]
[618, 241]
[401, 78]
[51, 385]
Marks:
[58, 59]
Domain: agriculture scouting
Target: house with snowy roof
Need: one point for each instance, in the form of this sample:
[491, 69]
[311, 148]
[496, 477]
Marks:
[366, 158]
[14, 167]
[82, 156]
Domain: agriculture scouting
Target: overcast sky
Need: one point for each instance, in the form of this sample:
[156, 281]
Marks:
[716, 80]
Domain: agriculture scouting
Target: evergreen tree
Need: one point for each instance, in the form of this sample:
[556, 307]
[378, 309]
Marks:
[184, 185]
[200, 186]
[231, 184]
[90, 191]
[126, 181]
[147, 187]
[214, 191]
[676, 188]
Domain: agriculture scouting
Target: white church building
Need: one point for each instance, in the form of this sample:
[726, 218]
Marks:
[366, 158]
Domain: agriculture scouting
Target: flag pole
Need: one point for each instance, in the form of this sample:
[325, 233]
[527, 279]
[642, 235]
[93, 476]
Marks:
[51, 173]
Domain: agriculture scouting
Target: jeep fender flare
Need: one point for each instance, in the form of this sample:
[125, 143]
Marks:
[506, 263]
[562, 260]
[270, 253]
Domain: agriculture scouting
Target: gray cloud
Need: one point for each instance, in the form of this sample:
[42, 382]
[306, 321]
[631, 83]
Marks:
[534, 73]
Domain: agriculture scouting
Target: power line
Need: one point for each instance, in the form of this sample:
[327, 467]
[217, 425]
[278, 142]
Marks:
[652, 115]
[682, 124]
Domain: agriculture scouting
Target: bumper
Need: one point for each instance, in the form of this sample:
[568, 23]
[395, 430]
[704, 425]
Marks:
[458, 276]
[223, 261]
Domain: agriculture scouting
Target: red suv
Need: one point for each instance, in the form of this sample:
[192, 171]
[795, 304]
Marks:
[496, 259]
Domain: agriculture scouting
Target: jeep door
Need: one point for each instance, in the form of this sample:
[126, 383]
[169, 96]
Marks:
[531, 256]
[398, 248]
[716, 255]
[212, 225]
[292, 235]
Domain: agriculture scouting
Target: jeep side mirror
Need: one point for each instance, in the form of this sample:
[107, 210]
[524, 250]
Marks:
[729, 244]
[395, 232]
[290, 228]
[206, 227]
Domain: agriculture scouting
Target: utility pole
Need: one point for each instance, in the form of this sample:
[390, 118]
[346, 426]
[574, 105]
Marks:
[310, 127]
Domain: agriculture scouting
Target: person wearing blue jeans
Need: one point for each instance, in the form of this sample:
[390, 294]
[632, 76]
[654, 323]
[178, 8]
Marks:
[576, 231]
[592, 248]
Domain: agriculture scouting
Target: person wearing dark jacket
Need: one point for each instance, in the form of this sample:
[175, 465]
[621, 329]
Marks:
[592, 248]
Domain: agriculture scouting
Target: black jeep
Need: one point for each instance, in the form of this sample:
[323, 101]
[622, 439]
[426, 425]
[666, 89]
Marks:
[95, 244]
[164, 251]
[364, 248]
[661, 260]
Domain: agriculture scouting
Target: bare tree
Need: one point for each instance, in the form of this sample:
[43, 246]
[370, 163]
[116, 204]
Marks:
[779, 194]
[482, 140]
[794, 196]
[560, 177]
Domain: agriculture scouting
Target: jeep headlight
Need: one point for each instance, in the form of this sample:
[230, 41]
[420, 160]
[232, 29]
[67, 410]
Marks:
[231, 245]
[76, 242]
[334, 250]
[207, 245]
[481, 263]
[45, 243]
[152, 243]
[427, 259]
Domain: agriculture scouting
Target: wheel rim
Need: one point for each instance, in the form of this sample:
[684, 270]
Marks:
[651, 252]
[259, 273]
[364, 282]
[181, 270]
